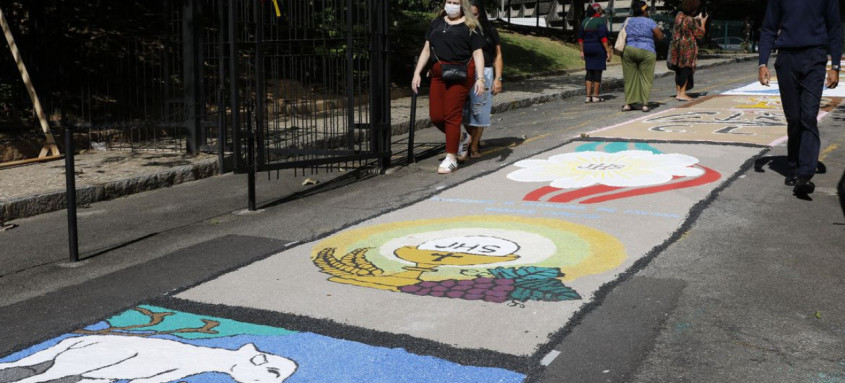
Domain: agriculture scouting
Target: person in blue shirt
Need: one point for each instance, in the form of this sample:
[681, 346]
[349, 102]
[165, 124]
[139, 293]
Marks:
[639, 56]
[804, 32]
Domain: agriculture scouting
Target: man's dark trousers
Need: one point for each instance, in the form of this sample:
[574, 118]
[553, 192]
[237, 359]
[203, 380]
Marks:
[841, 189]
[800, 74]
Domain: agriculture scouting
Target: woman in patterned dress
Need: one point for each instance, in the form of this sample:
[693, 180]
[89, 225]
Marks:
[684, 47]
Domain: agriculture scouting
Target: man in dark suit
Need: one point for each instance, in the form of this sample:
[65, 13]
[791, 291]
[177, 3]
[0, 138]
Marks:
[804, 32]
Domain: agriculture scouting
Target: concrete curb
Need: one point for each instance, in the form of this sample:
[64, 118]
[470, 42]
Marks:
[44, 203]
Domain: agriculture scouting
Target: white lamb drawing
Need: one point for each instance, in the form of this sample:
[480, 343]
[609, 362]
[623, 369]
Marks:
[109, 358]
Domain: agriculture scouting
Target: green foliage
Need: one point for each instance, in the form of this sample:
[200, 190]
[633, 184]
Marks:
[525, 54]
[407, 35]
[416, 5]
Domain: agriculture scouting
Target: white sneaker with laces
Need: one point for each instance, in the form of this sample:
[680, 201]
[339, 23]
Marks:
[463, 148]
[448, 165]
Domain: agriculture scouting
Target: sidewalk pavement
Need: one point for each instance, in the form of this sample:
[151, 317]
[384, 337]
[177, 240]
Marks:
[40, 188]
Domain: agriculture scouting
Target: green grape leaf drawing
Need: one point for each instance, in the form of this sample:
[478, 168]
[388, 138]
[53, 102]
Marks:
[550, 290]
[530, 272]
[537, 284]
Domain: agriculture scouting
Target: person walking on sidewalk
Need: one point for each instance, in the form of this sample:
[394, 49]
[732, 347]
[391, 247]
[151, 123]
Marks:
[804, 33]
[478, 108]
[454, 40]
[592, 38]
[684, 46]
[639, 56]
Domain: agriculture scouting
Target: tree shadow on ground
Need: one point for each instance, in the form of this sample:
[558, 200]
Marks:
[347, 178]
[499, 149]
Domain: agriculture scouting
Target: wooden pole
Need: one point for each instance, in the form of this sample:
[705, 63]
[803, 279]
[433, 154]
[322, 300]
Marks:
[28, 161]
[50, 146]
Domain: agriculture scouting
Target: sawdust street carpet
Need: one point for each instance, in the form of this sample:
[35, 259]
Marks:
[751, 119]
[475, 283]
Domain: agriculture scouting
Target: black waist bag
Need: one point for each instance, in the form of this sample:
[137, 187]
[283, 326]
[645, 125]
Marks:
[454, 73]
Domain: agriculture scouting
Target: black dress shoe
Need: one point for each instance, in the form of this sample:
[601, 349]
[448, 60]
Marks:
[804, 186]
[821, 168]
[790, 179]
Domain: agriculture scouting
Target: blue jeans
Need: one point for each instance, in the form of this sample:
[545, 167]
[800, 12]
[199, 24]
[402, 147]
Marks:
[478, 108]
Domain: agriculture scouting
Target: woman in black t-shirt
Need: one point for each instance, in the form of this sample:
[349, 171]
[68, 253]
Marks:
[453, 37]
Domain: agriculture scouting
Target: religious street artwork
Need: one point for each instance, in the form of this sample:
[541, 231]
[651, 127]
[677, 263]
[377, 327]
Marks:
[755, 89]
[743, 118]
[478, 258]
[589, 176]
[144, 345]
[490, 258]
[150, 344]
[761, 102]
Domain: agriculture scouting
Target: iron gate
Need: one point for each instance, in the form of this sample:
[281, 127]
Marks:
[309, 80]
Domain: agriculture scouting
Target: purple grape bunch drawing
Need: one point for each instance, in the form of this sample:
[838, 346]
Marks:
[507, 284]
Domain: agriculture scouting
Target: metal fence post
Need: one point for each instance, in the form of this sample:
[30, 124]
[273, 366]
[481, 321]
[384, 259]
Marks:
[350, 76]
[191, 71]
[411, 129]
[221, 87]
[250, 153]
[234, 86]
[380, 127]
[260, 88]
[70, 197]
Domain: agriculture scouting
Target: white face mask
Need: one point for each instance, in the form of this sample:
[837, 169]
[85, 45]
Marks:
[453, 10]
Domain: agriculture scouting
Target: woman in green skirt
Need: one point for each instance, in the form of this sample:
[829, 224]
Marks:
[639, 56]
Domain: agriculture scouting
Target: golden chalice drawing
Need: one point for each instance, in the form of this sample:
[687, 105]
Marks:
[354, 268]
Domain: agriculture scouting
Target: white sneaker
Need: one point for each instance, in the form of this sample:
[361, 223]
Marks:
[448, 165]
[463, 148]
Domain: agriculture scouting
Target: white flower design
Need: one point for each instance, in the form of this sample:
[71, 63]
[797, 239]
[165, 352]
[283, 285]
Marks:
[630, 168]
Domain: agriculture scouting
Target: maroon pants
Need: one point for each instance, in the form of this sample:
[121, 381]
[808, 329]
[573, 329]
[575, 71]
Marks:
[446, 104]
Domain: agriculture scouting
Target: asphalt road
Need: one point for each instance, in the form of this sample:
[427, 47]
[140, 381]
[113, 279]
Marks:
[751, 292]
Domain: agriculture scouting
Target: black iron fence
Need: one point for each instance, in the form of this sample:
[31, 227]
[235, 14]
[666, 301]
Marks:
[315, 78]
[113, 71]
[308, 80]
